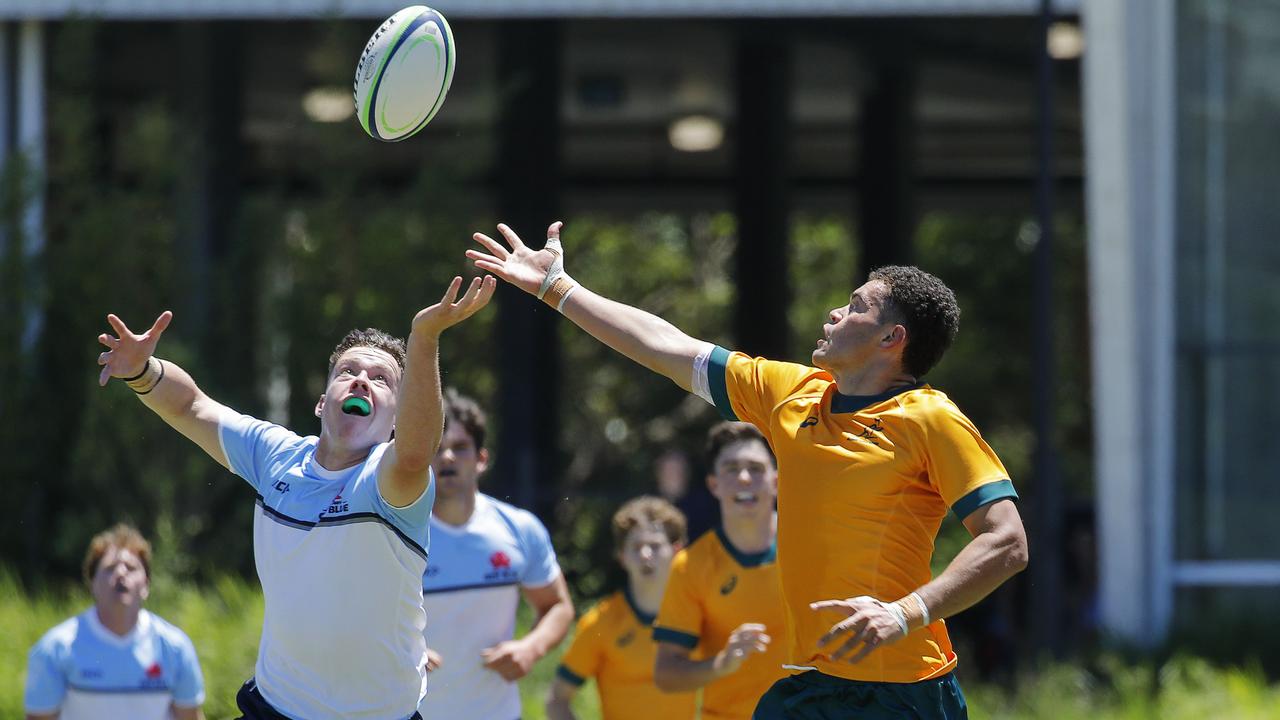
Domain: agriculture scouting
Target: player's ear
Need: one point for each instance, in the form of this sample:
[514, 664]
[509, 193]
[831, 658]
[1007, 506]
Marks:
[896, 336]
[712, 484]
[320, 405]
[482, 460]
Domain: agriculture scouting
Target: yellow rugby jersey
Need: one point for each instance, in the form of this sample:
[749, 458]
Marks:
[863, 485]
[614, 644]
[713, 589]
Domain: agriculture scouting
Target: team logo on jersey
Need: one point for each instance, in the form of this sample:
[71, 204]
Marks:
[626, 639]
[499, 560]
[154, 671]
[281, 486]
[502, 570]
[868, 434]
[154, 676]
[338, 505]
[729, 585]
[809, 421]
[90, 673]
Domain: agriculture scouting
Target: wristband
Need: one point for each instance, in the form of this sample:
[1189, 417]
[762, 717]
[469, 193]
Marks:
[138, 389]
[924, 609]
[898, 615]
[145, 367]
[555, 272]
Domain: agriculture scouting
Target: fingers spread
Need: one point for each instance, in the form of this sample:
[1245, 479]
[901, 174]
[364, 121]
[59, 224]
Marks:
[103, 377]
[118, 325]
[160, 324]
[511, 236]
[493, 246]
[109, 341]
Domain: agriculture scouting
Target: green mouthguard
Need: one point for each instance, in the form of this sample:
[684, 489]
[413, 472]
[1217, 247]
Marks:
[357, 406]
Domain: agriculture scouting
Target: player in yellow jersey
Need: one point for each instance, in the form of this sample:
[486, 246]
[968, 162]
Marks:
[723, 603]
[613, 642]
[869, 461]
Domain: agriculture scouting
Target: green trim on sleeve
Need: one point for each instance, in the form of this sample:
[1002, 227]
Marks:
[570, 676]
[716, 369]
[983, 495]
[675, 637]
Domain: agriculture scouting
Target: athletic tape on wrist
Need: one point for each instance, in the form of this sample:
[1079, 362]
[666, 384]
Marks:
[924, 609]
[557, 267]
[898, 615]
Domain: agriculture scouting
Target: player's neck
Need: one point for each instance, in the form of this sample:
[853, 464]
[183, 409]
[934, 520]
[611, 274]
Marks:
[647, 595]
[750, 535]
[119, 619]
[871, 380]
[333, 456]
[455, 510]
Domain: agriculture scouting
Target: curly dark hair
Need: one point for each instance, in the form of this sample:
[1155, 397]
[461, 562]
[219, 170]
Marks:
[463, 409]
[927, 308]
[369, 337]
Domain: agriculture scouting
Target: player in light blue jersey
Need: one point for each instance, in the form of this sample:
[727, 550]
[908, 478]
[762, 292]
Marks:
[340, 528]
[115, 661]
[485, 555]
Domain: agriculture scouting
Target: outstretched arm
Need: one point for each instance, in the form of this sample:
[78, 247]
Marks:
[639, 335]
[160, 384]
[419, 408]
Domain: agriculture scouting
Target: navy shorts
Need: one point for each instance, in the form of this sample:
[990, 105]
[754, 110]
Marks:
[254, 707]
[815, 696]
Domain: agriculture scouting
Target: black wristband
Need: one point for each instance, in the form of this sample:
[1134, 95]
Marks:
[145, 367]
[154, 384]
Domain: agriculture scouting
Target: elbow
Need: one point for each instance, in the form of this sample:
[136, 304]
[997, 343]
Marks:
[1016, 554]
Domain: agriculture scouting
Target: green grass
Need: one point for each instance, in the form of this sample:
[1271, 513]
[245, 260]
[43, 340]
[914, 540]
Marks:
[224, 620]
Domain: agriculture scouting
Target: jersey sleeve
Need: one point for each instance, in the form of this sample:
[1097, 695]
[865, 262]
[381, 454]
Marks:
[249, 445]
[541, 566]
[680, 618]
[584, 657]
[748, 389]
[46, 681]
[961, 466]
[412, 517]
[188, 683]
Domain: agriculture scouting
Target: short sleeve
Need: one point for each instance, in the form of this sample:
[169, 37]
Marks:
[249, 445]
[961, 466]
[188, 684]
[541, 567]
[681, 616]
[584, 657]
[748, 389]
[411, 517]
[46, 682]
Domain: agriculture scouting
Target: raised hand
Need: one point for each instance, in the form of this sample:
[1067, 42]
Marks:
[450, 310]
[746, 640]
[127, 352]
[516, 262]
[867, 621]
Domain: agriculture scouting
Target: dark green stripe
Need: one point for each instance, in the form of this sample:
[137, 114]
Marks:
[675, 637]
[984, 495]
[744, 559]
[569, 676]
[716, 369]
[854, 403]
[644, 617]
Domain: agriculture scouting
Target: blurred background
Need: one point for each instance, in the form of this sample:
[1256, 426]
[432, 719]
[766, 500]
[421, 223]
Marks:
[1097, 180]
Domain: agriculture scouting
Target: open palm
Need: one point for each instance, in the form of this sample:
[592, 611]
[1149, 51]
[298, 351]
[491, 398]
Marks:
[127, 352]
[451, 310]
[516, 262]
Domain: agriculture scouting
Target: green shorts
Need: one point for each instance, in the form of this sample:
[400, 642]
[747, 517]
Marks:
[814, 696]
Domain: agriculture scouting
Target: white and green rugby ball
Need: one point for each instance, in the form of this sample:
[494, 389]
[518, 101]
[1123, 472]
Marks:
[404, 73]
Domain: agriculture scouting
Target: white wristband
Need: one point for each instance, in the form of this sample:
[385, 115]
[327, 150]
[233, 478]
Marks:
[898, 615]
[924, 609]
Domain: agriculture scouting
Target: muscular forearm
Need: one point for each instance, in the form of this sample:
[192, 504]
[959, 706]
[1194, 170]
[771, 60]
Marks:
[551, 628]
[982, 566]
[642, 336]
[420, 409]
[179, 402]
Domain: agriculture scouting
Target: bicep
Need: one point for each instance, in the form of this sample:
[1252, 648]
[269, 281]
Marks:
[202, 425]
[562, 690]
[1000, 517]
[401, 483]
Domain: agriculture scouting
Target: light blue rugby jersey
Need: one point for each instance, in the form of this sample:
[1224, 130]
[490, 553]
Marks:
[340, 572]
[83, 671]
[471, 590]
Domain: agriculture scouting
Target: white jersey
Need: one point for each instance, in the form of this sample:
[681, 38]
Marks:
[339, 567]
[471, 590]
[83, 671]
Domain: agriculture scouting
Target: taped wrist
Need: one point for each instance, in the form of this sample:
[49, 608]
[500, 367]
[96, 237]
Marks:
[557, 286]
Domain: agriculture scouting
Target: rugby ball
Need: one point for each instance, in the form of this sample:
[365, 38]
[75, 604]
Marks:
[404, 73]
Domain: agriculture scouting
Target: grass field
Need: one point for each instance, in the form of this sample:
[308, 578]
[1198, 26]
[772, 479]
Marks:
[223, 620]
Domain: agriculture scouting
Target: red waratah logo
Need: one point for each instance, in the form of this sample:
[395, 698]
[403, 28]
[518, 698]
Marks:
[499, 560]
[154, 671]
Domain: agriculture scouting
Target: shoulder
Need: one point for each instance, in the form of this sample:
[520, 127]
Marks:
[927, 406]
[58, 639]
[700, 553]
[520, 520]
[601, 613]
[169, 634]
